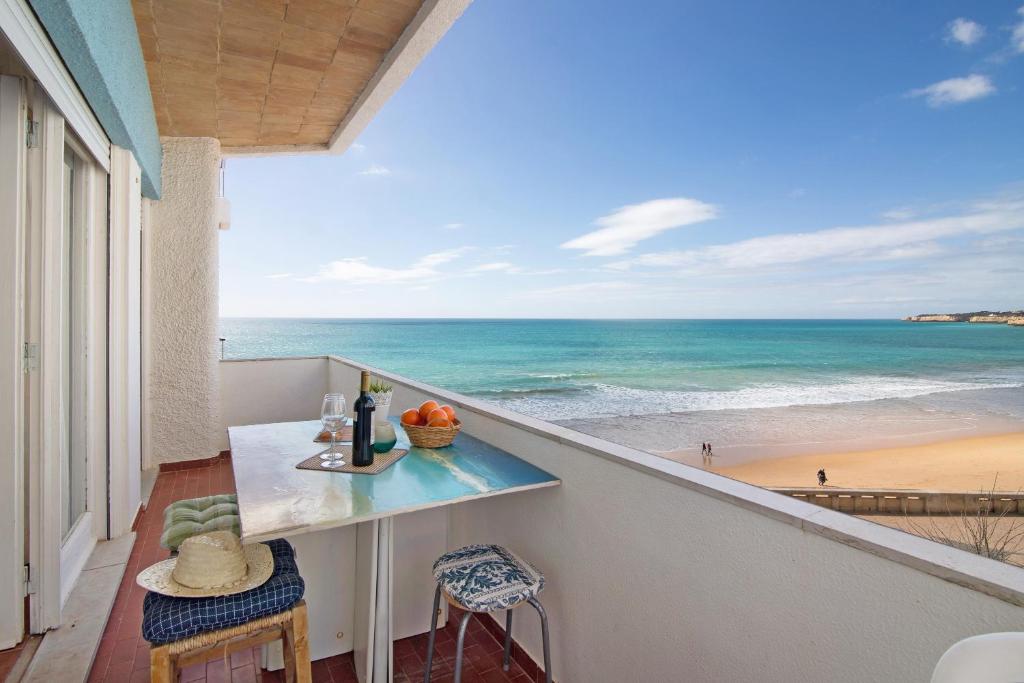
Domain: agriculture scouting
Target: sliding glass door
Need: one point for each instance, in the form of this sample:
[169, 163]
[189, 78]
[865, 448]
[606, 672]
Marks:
[74, 454]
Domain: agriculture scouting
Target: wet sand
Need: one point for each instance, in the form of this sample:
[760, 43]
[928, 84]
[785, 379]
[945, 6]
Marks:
[963, 464]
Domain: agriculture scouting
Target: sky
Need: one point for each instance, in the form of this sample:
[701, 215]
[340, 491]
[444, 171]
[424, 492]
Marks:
[573, 159]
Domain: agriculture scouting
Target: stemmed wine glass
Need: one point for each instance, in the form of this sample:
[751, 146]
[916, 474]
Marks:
[332, 415]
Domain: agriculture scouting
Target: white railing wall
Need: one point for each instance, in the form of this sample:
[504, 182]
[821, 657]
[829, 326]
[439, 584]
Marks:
[270, 390]
[661, 572]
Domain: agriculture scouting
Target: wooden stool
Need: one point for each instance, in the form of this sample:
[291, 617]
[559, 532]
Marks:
[291, 626]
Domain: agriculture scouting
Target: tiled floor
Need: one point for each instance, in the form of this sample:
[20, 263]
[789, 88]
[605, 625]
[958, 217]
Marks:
[9, 658]
[123, 655]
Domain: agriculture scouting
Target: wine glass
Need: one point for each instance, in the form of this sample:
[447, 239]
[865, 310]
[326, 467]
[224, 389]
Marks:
[332, 415]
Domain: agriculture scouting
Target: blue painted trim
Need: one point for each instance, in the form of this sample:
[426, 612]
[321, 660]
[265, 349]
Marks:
[99, 43]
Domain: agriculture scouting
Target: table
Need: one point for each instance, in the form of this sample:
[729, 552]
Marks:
[275, 499]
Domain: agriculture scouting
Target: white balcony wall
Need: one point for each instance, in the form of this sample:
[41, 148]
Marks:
[662, 572]
[262, 391]
[181, 308]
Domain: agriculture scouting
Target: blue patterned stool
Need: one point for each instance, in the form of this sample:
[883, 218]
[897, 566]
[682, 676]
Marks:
[186, 631]
[486, 578]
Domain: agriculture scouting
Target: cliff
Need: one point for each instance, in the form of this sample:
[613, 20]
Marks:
[1015, 318]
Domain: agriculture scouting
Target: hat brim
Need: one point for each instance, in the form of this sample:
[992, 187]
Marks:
[158, 577]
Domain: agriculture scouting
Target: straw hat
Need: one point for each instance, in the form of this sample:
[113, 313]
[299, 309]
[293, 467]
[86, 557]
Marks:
[210, 565]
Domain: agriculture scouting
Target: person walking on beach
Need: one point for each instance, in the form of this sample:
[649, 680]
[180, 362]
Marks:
[710, 454]
[821, 477]
[703, 451]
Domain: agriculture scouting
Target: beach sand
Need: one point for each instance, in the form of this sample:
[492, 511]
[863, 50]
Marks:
[965, 464]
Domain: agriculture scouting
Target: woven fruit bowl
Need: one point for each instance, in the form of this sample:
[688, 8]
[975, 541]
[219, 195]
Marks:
[432, 437]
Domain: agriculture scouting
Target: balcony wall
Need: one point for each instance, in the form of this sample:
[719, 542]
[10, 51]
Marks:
[659, 572]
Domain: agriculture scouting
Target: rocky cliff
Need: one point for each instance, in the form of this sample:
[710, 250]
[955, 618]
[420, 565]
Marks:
[1015, 318]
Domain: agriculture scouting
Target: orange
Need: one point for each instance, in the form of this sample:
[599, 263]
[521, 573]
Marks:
[435, 414]
[426, 407]
[412, 417]
[439, 420]
[449, 411]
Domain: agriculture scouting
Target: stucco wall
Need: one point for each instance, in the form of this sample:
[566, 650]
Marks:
[99, 42]
[183, 387]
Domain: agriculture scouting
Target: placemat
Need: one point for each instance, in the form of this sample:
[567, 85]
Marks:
[344, 435]
[381, 461]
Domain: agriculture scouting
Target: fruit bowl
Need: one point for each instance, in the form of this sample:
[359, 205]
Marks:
[432, 437]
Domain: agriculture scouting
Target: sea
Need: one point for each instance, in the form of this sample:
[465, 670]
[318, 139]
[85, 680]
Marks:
[754, 388]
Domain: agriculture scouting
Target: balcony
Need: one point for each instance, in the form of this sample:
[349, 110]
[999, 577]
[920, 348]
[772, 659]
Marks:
[656, 571]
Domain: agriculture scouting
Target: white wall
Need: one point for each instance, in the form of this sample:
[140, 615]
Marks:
[650, 579]
[183, 386]
[661, 572]
[262, 391]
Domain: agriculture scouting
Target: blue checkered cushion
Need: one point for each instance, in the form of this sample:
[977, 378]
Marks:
[484, 578]
[166, 619]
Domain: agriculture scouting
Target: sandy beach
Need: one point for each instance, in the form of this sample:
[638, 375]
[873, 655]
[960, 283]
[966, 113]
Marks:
[964, 464]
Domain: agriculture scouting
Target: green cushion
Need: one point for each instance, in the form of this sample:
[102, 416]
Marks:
[186, 518]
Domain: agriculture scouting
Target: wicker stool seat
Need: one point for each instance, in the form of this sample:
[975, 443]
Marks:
[486, 578]
[185, 631]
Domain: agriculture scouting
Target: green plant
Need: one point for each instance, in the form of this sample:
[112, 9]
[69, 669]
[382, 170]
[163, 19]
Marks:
[379, 386]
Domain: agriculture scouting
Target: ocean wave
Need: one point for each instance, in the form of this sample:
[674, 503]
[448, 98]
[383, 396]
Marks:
[560, 375]
[528, 391]
[606, 400]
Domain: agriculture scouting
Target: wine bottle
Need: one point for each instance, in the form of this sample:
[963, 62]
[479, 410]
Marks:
[362, 443]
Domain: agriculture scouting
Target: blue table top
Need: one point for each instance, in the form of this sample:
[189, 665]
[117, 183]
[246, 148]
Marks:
[277, 499]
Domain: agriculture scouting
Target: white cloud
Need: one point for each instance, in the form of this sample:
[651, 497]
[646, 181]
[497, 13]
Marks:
[911, 239]
[1018, 32]
[908, 252]
[956, 90]
[439, 258]
[625, 227]
[359, 270]
[376, 170]
[603, 288]
[497, 267]
[453, 226]
[965, 31]
[358, 147]
[872, 301]
[900, 213]
[279, 276]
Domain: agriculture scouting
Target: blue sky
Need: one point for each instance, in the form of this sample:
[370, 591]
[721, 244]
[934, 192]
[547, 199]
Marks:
[677, 159]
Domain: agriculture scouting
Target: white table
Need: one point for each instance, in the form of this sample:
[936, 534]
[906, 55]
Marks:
[344, 525]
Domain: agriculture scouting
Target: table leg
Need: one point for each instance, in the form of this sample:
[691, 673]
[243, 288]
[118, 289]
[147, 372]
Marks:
[374, 586]
[383, 637]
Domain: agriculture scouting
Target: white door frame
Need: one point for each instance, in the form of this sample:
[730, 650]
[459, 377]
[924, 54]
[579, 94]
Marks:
[125, 340]
[56, 561]
[30, 188]
[19, 24]
[45, 169]
[13, 114]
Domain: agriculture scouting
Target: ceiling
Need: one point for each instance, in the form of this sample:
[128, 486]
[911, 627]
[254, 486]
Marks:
[264, 74]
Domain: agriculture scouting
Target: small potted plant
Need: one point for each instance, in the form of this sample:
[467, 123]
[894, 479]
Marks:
[381, 393]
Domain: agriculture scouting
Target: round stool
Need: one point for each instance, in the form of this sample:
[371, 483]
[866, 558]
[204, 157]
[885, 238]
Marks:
[486, 578]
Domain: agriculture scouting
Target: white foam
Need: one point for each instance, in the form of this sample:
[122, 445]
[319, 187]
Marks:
[606, 400]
